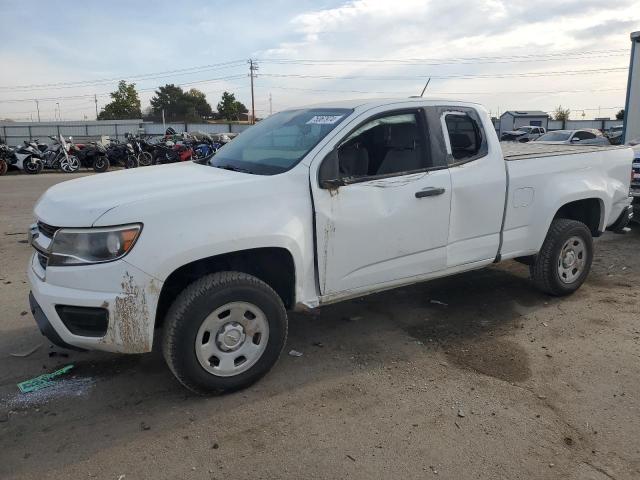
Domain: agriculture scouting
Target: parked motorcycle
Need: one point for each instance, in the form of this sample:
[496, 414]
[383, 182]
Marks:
[92, 155]
[122, 154]
[58, 156]
[28, 158]
[6, 155]
[144, 157]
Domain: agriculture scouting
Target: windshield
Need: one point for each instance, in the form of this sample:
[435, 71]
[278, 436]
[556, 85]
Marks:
[279, 142]
[560, 136]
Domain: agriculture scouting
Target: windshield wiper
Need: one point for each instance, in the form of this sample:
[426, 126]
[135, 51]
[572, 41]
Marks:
[233, 168]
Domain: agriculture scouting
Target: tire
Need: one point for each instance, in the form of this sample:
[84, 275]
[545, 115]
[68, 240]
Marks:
[563, 263]
[101, 164]
[131, 162]
[198, 318]
[3, 167]
[145, 159]
[70, 164]
[32, 168]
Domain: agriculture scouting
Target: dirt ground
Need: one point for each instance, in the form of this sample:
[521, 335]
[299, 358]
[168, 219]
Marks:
[493, 380]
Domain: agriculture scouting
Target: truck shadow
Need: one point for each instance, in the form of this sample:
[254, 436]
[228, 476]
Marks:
[468, 317]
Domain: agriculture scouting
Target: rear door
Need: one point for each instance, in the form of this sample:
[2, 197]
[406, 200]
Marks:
[478, 183]
[389, 218]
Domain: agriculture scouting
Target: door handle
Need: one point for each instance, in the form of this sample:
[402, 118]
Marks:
[429, 192]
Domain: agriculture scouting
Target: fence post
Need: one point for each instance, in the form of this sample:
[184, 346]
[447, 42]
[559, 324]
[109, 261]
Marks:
[86, 130]
[115, 125]
[5, 135]
[186, 127]
[29, 132]
[229, 127]
[58, 128]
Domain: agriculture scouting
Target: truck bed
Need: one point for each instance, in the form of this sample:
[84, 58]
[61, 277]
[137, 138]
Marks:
[523, 151]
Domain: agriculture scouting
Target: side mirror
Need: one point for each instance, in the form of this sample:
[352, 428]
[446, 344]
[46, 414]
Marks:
[328, 173]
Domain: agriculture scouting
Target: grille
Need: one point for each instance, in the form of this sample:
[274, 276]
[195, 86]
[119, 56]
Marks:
[47, 230]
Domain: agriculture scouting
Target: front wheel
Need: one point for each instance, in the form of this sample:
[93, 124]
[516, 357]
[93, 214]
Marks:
[131, 162]
[145, 159]
[70, 164]
[564, 261]
[224, 332]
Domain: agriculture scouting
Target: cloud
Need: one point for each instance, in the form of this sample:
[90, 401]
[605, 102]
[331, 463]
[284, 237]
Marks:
[604, 29]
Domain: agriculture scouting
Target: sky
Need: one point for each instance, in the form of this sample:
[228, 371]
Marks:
[507, 55]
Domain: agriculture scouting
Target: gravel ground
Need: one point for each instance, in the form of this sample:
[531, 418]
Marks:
[476, 376]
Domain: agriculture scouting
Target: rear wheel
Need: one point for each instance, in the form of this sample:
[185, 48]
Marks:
[3, 167]
[32, 166]
[101, 164]
[564, 261]
[224, 332]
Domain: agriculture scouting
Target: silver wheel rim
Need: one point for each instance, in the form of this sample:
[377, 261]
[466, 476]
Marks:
[232, 339]
[571, 262]
[70, 164]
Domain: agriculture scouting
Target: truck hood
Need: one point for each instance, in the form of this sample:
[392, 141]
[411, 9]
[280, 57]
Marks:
[80, 202]
[516, 133]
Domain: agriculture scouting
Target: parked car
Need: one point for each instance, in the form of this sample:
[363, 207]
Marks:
[523, 134]
[584, 136]
[309, 207]
[614, 134]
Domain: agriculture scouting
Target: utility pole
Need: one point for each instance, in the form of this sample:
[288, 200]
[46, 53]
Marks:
[95, 99]
[270, 105]
[38, 108]
[252, 69]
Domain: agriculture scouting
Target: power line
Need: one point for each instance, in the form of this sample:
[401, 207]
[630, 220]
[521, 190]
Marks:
[454, 61]
[103, 94]
[447, 77]
[147, 76]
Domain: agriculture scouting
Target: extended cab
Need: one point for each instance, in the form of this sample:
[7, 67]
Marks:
[308, 207]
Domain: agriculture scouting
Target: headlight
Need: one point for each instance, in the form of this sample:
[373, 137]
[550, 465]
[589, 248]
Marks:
[82, 246]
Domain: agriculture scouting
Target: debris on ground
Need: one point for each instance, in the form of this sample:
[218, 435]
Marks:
[43, 381]
[144, 426]
[295, 353]
[26, 353]
[351, 458]
[318, 344]
[438, 302]
[58, 354]
[23, 313]
[460, 413]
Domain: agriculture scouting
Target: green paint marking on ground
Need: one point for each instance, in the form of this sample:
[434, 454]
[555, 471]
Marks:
[43, 381]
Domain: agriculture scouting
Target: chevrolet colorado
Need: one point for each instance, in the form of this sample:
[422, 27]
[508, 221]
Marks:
[310, 206]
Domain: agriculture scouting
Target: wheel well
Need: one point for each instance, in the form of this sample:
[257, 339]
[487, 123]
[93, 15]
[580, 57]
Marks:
[587, 211]
[274, 266]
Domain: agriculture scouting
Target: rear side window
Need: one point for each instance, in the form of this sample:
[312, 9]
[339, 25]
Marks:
[465, 136]
[584, 135]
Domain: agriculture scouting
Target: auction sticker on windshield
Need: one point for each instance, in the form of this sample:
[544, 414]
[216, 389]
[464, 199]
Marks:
[324, 119]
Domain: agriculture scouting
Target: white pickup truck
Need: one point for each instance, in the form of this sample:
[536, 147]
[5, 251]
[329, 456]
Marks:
[309, 207]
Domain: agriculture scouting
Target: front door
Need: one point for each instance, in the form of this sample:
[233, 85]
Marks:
[389, 219]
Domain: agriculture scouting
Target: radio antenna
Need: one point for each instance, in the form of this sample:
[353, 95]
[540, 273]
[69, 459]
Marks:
[425, 87]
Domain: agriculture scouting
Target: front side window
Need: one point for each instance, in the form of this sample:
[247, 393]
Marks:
[387, 145]
[278, 143]
[465, 136]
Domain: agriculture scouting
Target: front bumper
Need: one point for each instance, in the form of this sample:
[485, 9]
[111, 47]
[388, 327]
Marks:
[128, 294]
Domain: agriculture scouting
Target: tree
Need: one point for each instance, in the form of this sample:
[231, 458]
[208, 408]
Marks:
[620, 115]
[229, 108]
[125, 103]
[178, 105]
[561, 114]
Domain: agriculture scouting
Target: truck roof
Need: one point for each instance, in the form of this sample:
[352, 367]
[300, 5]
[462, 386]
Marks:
[367, 103]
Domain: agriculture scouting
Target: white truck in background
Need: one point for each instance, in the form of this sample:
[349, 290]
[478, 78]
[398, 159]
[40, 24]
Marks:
[310, 206]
